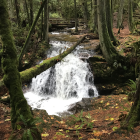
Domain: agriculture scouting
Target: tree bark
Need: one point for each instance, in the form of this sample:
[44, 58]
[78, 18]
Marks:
[34, 71]
[46, 22]
[130, 16]
[76, 21]
[120, 14]
[17, 6]
[108, 50]
[84, 3]
[30, 33]
[11, 78]
[27, 11]
[109, 22]
[94, 17]
[31, 12]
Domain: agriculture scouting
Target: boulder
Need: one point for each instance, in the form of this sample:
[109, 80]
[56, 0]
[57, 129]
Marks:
[91, 92]
[84, 105]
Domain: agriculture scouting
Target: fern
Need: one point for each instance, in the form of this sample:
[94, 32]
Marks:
[132, 85]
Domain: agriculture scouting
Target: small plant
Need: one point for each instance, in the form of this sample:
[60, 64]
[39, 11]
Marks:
[133, 87]
[26, 129]
[83, 121]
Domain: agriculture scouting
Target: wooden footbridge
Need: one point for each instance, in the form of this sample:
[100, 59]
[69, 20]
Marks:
[57, 22]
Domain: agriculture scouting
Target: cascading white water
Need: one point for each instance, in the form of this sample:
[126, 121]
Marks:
[63, 84]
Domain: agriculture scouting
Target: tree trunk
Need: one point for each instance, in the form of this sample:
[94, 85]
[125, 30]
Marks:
[108, 50]
[120, 14]
[133, 118]
[31, 12]
[109, 22]
[27, 11]
[94, 16]
[76, 21]
[17, 12]
[42, 23]
[34, 71]
[130, 16]
[11, 78]
[30, 33]
[84, 3]
[46, 22]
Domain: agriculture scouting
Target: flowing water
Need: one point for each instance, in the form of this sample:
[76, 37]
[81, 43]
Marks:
[63, 84]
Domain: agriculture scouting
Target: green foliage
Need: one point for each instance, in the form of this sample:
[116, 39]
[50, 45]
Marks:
[27, 129]
[81, 119]
[133, 88]
[54, 15]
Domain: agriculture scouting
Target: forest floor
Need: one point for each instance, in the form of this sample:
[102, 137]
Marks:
[99, 123]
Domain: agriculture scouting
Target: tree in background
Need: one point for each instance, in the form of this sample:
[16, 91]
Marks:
[17, 6]
[109, 22]
[130, 16]
[108, 50]
[120, 14]
[76, 21]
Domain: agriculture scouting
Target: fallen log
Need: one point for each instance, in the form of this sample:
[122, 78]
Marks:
[46, 64]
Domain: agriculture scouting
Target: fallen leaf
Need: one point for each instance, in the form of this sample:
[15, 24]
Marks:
[7, 119]
[111, 119]
[107, 103]
[97, 133]
[114, 128]
[101, 101]
[45, 135]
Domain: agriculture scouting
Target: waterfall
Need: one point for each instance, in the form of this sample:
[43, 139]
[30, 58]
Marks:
[63, 84]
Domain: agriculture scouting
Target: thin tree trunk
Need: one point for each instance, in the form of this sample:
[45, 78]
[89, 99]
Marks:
[30, 33]
[84, 3]
[27, 11]
[76, 21]
[130, 16]
[109, 22]
[11, 78]
[46, 21]
[42, 23]
[31, 12]
[94, 16]
[34, 71]
[17, 12]
[120, 14]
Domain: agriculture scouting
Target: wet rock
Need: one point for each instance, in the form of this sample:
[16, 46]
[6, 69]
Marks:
[91, 92]
[84, 105]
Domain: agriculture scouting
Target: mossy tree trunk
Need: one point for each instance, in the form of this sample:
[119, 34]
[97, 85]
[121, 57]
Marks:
[130, 16]
[31, 12]
[120, 14]
[17, 6]
[42, 20]
[25, 47]
[94, 16]
[133, 118]
[11, 78]
[76, 21]
[84, 3]
[46, 22]
[27, 11]
[109, 22]
[108, 50]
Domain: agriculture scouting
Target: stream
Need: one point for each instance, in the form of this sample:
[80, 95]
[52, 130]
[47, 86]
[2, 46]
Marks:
[65, 83]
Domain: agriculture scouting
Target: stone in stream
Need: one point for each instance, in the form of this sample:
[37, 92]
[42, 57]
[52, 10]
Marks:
[91, 92]
[84, 105]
